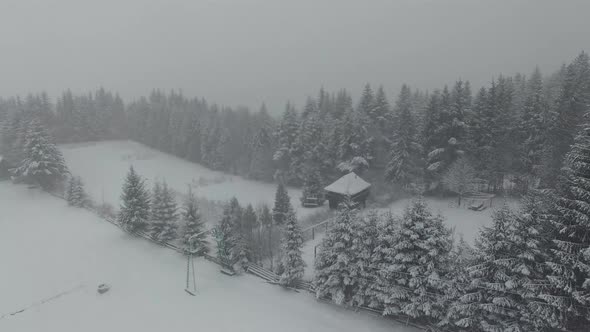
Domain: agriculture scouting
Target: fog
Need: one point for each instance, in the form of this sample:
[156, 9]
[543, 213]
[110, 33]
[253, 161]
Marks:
[248, 51]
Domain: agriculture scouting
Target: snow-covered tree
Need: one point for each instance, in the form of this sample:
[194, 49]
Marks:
[388, 230]
[249, 225]
[43, 163]
[227, 233]
[362, 267]
[459, 178]
[75, 194]
[404, 166]
[355, 149]
[312, 186]
[570, 217]
[449, 129]
[507, 276]
[293, 264]
[193, 225]
[286, 135]
[413, 271]
[282, 205]
[163, 213]
[333, 278]
[571, 106]
[135, 205]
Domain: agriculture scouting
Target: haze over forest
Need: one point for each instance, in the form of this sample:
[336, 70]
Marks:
[236, 52]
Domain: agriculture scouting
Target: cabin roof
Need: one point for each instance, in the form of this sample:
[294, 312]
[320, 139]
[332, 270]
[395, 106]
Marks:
[349, 184]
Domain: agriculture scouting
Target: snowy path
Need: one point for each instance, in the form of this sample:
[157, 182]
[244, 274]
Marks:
[103, 166]
[47, 248]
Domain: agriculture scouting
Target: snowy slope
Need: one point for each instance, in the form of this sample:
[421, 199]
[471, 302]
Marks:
[47, 248]
[103, 166]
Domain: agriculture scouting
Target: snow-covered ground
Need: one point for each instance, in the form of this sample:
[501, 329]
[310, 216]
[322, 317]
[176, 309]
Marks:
[465, 222]
[48, 249]
[103, 166]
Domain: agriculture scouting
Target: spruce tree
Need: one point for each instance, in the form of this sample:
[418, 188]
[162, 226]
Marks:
[405, 157]
[570, 217]
[249, 225]
[388, 229]
[75, 194]
[135, 205]
[333, 278]
[282, 205]
[507, 276]
[363, 268]
[414, 272]
[43, 163]
[163, 213]
[286, 135]
[292, 261]
[193, 225]
[572, 104]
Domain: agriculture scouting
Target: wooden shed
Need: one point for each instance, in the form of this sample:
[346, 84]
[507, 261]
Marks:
[350, 185]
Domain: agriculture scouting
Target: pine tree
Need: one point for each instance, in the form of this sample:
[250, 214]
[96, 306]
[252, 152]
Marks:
[355, 149]
[265, 219]
[572, 103]
[75, 194]
[249, 225]
[292, 261]
[388, 230]
[193, 225]
[287, 134]
[363, 269]
[570, 217]
[507, 276]
[163, 214]
[333, 278]
[405, 163]
[414, 273]
[282, 205]
[43, 163]
[533, 127]
[448, 142]
[135, 205]
[367, 102]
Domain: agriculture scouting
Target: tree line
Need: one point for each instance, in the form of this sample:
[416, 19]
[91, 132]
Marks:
[517, 129]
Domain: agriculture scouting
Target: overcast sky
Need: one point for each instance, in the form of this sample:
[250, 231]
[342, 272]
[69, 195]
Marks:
[248, 51]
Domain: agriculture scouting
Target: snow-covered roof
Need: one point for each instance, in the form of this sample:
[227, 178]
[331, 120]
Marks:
[350, 184]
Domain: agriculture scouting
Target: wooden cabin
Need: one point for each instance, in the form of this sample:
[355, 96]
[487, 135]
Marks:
[350, 185]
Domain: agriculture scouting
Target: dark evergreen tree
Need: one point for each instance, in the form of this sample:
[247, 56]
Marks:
[413, 275]
[193, 226]
[164, 215]
[292, 261]
[282, 205]
[570, 217]
[43, 163]
[287, 134]
[333, 277]
[404, 165]
[135, 205]
[363, 268]
[75, 194]
[572, 104]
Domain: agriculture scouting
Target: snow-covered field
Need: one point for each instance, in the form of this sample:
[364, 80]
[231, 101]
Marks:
[47, 248]
[103, 166]
[465, 222]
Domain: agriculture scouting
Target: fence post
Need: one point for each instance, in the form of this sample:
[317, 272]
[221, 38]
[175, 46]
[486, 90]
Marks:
[315, 249]
[313, 233]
